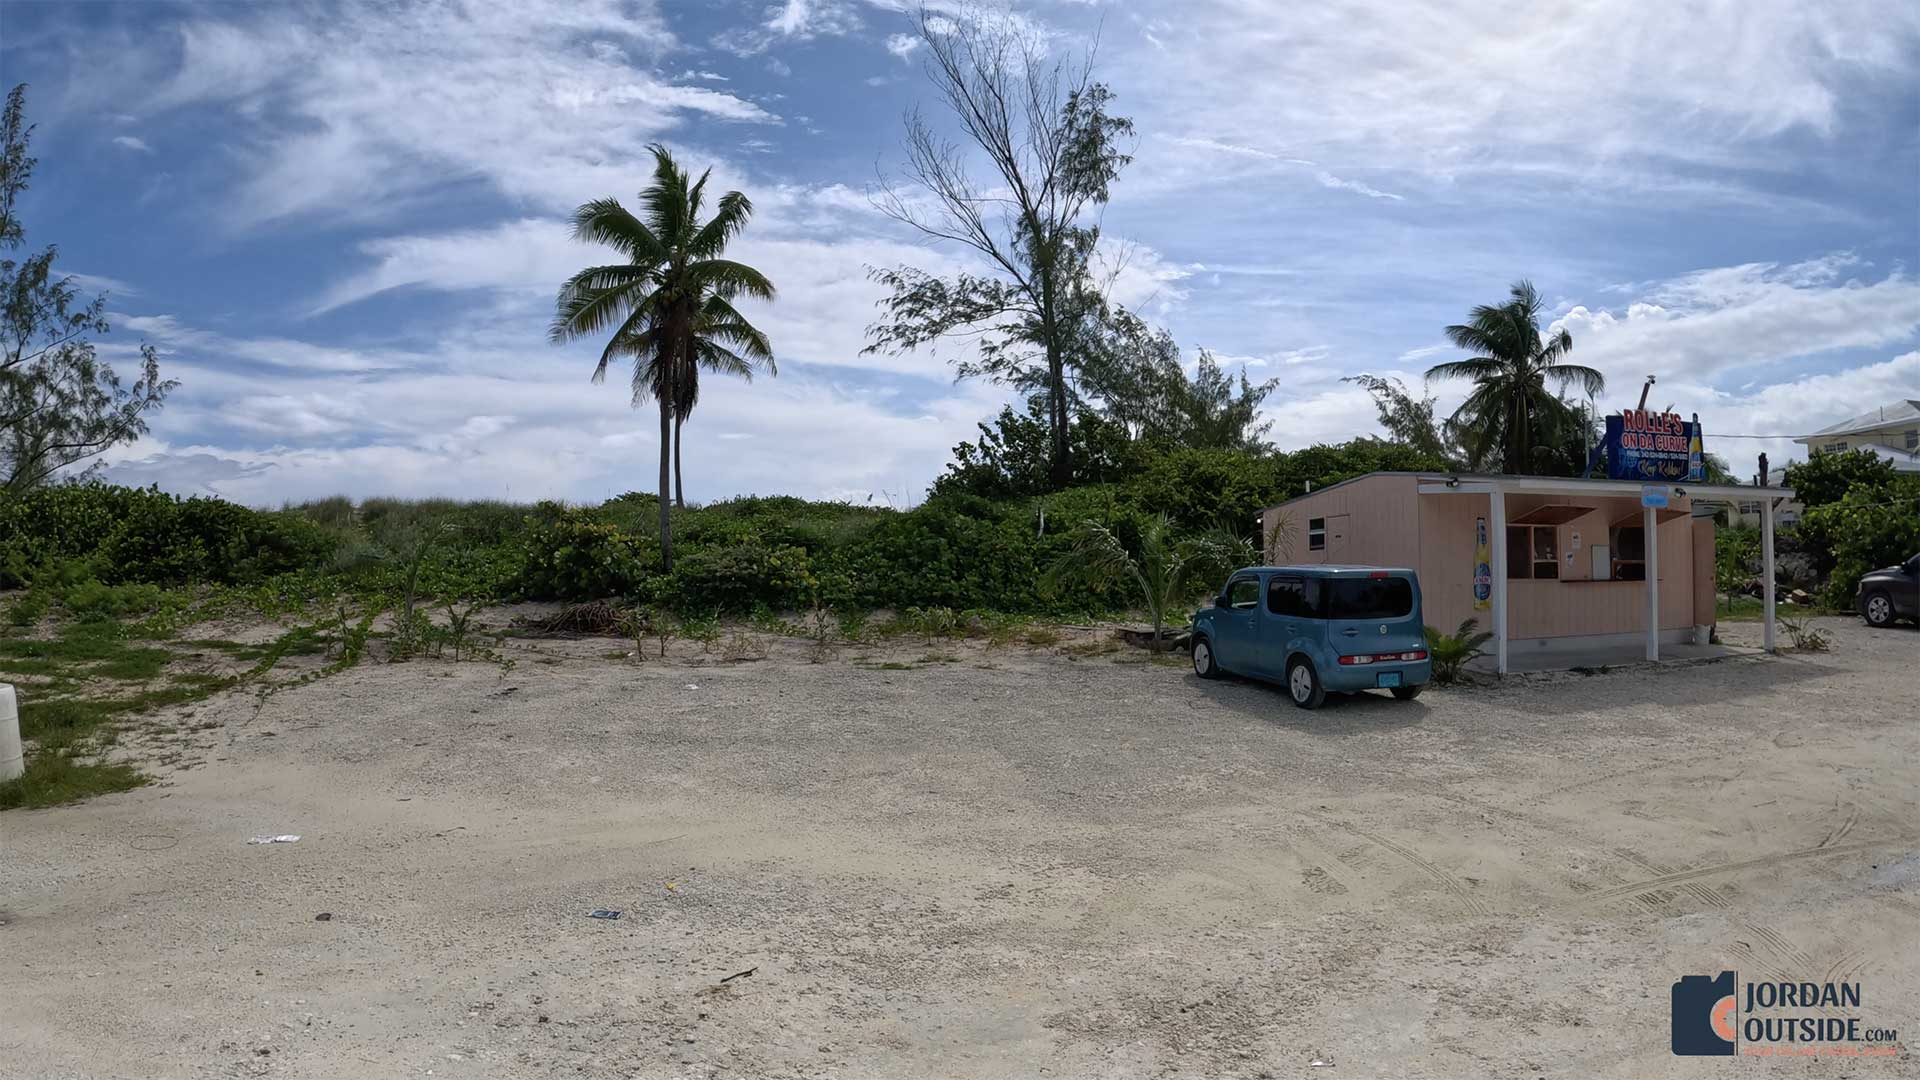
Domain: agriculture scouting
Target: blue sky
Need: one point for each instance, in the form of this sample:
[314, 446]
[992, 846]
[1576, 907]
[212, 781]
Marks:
[343, 224]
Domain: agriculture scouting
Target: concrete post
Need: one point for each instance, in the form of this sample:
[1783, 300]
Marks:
[1497, 524]
[12, 761]
[1651, 519]
[1766, 572]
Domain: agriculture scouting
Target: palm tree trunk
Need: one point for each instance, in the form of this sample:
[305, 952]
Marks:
[679, 493]
[666, 454]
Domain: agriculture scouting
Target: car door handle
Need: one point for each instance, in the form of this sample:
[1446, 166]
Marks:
[1350, 632]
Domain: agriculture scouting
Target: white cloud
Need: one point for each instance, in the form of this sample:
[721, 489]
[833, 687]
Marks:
[1612, 91]
[349, 116]
[902, 45]
[1749, 316]
[132, 142]
[1329, 180]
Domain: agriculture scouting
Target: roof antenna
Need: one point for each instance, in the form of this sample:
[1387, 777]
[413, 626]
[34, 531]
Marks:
[1643, 395]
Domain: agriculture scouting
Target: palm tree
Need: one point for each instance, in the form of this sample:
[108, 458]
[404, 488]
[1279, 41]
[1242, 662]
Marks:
[753, 352]
[670, 304]
[1511, 411]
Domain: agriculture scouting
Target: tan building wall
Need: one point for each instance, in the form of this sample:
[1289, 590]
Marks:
[1384, 521]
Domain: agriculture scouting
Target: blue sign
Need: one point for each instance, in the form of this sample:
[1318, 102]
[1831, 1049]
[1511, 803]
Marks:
[1653, 498]
[1655, 447]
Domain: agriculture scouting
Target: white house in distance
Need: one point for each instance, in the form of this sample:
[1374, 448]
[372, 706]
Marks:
[1891, 431]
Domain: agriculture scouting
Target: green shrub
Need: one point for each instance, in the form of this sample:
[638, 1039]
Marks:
[567, 555]
[738, 577]
[1451, 653]
[133, 535]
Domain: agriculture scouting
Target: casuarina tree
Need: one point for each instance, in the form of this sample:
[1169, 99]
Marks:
[61, 405]
[1052, 151]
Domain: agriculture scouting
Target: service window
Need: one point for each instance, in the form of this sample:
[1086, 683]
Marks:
[1243, 594]
[1629, 551]
[1530, 552]
[1368, 598]
[1316, 534]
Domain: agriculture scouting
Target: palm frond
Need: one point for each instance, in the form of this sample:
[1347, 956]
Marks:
[729, 279]
[605, 221]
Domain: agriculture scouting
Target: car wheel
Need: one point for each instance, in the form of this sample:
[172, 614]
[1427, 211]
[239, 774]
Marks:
[1408, 693]
[1303, 684]
[1878, 609]
[1203, 662]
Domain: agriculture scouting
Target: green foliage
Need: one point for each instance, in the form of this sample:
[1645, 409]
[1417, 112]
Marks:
[1826, 478]
[132, 535]
[57, 779]
[1736, 559]
[1871, 526]
[1164, 571]
[568, 555]
[1013, 457]
[1451, 653]
[736, 577]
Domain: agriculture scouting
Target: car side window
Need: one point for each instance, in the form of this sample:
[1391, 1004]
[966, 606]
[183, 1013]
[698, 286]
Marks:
[1243, 593]
[1287, 596]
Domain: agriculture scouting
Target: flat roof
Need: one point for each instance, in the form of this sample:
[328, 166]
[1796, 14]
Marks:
[1323, 568]
[1468, 483]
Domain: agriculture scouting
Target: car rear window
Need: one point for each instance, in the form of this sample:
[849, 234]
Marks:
[1369, 598]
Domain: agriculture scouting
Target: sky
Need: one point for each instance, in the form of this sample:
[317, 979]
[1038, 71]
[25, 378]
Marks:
[343, 225]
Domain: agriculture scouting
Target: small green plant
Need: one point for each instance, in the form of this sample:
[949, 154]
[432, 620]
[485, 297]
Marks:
[664, 627]
[1804, 635]
[854, 624]
[1451, 653]
[702, 629]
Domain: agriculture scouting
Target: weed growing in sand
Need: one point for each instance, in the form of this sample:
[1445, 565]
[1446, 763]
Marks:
[703, 629]
[744, 645]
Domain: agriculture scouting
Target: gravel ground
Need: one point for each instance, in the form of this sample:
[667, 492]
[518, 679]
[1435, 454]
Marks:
[994, 863]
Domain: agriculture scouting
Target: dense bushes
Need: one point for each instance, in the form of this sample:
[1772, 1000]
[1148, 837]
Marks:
[959, 550]
[128, 535]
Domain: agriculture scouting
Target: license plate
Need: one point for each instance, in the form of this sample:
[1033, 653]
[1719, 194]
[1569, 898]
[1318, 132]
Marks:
[1389, 678]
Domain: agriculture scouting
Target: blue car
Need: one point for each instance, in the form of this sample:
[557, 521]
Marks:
[1314, 629]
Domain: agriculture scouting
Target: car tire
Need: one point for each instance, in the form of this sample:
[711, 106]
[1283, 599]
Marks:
[1303, 684]
[1408, 693]
[1877, 609]
[1204, 665]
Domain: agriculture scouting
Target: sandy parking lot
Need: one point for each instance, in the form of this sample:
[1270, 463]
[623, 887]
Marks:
[1010, 864]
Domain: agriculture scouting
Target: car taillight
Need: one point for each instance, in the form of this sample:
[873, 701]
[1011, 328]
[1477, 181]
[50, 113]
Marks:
[1383, 658]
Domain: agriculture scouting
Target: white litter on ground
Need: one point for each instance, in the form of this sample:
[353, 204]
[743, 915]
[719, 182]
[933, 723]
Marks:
[284, 838]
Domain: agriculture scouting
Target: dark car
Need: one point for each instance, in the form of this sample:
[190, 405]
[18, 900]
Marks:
[1893, 593]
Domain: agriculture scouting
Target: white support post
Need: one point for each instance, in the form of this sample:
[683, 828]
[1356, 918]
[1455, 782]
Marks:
[1766, 572]
[1651, 522]
[1497, 524]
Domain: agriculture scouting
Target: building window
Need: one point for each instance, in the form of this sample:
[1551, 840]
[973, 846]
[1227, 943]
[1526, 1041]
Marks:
[1836, 448]
[1629, 552]
[1749, 507]
[1316, 534]
[1530, 552]
[1913, 439]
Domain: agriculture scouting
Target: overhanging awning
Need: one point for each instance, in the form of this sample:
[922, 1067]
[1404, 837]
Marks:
[1557, 514]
